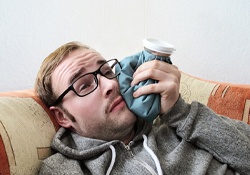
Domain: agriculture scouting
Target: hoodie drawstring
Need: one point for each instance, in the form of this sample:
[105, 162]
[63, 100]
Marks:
[112, 159]
[156, 160]
[145, 145]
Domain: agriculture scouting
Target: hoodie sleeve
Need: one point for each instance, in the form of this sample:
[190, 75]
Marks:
[226, 139]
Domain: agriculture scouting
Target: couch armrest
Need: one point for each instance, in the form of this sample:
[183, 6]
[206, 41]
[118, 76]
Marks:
[26, 130]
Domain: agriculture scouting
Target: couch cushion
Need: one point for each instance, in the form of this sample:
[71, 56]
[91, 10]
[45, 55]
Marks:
[26, 130]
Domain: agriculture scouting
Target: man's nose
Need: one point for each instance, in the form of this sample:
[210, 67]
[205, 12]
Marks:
[107, 86]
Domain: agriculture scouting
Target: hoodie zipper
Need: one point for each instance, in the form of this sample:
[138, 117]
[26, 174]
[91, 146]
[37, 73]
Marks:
[143, 163]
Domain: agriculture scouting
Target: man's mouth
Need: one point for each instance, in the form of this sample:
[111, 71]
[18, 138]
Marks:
[117, 104]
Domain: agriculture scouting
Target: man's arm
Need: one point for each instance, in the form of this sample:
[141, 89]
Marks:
[226, 139]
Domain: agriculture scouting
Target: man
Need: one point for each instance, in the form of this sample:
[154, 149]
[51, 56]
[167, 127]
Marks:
[100, 135]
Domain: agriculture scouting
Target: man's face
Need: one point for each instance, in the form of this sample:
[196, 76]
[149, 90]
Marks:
[103, 113]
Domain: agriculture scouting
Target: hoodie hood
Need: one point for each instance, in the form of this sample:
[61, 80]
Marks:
[65, 142]
[78, 147]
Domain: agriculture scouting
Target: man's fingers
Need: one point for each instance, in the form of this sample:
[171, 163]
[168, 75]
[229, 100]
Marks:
[156, 64]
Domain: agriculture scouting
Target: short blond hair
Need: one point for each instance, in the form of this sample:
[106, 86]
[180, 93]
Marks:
[43, 84]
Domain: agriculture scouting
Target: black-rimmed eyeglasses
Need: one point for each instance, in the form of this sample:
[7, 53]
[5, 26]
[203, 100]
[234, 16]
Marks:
[87, 83]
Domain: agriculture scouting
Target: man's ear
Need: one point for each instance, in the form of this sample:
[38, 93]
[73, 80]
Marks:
[61, 117]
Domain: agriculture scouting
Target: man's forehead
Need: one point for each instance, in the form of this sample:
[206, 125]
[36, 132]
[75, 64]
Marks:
[76, 63]
[84, 56]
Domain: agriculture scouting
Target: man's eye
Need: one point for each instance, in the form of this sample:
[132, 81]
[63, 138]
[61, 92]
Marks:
[108, 72]
[84, 87]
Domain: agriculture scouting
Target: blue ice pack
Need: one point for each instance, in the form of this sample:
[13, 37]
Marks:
[146, 106]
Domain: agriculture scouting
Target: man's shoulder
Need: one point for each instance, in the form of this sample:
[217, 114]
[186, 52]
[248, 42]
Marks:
[57, 158]
[60, 163]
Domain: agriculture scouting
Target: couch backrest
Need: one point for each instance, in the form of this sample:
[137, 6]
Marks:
[232, 100]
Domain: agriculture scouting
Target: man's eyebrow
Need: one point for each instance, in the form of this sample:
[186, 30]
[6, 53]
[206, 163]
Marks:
[74, 77]
[101, 62]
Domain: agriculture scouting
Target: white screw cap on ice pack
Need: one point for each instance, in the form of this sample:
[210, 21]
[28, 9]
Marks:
[158, 46]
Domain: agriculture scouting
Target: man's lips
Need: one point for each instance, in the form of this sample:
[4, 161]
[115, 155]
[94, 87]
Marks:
[118, 102]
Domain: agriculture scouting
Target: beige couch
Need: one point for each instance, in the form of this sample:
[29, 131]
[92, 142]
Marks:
[27, 126]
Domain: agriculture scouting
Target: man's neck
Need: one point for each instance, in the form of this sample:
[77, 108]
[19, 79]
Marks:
[129, 137]
[137, 128]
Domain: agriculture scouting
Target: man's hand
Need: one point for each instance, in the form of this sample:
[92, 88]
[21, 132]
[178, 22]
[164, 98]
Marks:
[168, 77]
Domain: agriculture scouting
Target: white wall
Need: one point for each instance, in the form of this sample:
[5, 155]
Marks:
[212, 37]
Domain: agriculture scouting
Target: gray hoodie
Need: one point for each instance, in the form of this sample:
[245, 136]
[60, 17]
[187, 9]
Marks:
[187, 140]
